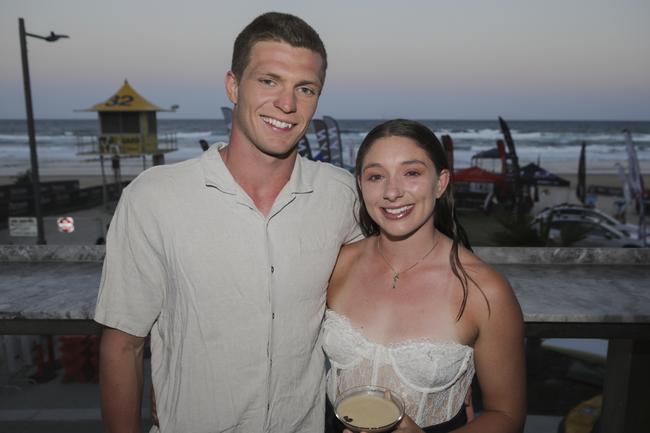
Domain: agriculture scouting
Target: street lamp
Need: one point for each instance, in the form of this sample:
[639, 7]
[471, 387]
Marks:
[36, 185]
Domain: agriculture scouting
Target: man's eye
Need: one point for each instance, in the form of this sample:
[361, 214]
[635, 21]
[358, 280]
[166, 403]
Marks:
[267, 81]
[307, 91]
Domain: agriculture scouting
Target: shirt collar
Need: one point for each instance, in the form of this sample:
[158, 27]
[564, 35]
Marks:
[216, 174]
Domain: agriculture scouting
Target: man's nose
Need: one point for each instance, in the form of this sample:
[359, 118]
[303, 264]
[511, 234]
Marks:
[286, 100]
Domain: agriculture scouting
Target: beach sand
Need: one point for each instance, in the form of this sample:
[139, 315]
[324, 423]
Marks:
[92, 222]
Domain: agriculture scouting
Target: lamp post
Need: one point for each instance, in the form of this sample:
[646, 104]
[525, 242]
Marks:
[36, 185]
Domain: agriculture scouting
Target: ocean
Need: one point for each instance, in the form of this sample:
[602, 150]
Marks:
[551, 143]
[547, 142]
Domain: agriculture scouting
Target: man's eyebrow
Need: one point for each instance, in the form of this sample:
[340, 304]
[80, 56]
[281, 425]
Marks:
[277, 77]
[309, 83]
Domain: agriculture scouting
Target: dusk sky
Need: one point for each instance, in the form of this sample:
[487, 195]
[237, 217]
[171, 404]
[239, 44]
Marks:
[450, 59]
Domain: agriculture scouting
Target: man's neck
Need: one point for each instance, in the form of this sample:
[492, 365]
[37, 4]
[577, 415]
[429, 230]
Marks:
[261, 176]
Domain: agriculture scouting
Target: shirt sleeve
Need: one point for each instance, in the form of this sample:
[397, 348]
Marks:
[133, 277]
[354, 233]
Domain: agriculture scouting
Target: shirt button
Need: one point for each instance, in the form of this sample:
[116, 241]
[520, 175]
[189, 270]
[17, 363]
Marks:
[272, 316]
[272, 269]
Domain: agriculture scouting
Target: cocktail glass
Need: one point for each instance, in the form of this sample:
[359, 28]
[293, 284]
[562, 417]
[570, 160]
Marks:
[369, 409]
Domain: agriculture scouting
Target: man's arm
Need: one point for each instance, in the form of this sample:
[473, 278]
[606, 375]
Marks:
[120, 380]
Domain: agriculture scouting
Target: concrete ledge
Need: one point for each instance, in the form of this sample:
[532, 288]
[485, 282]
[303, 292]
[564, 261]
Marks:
[495, 255]
[52, 253]
[564, 256]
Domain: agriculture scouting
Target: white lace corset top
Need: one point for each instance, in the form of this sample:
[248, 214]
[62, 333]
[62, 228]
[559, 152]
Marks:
[432, 377]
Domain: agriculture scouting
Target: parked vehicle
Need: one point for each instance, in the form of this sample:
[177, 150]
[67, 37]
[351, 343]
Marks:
[572, 211]
[580, 226]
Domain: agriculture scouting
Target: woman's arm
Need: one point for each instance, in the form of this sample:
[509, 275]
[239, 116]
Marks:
[500, 360]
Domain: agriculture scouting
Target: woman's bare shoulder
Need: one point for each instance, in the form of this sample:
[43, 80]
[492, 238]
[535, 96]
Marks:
[348, 255]
[348, 258]
[491, 282]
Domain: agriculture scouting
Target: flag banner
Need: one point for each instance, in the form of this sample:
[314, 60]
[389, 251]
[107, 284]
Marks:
[323, 140]
[227, 117]
[622, 176]
[303, 147]
[512, 168]
[501, 148]
[336, 144]
[636, 183]
[512, 153]
[581, 187]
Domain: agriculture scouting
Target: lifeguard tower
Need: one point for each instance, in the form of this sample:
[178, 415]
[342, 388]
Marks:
[128, 128]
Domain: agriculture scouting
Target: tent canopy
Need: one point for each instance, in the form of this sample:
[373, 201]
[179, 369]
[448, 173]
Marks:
[488, 154]
[477, 174]
[533, 173]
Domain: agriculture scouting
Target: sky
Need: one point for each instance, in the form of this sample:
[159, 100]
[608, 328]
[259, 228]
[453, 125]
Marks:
[443, 59]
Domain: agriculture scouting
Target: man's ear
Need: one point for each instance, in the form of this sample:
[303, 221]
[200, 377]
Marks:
[232, 87]
[443, 182]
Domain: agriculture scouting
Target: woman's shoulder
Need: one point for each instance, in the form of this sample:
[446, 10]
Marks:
[492, 283]
[348, 255]
[346, 263]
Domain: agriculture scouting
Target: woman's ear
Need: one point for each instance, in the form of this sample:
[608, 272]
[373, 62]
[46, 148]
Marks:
[443, 182]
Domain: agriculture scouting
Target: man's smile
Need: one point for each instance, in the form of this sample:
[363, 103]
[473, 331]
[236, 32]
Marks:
[276, 123]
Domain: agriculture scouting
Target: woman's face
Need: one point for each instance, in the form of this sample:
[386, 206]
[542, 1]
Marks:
[399, 185]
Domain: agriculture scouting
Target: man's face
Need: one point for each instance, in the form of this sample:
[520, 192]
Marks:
[275, 98]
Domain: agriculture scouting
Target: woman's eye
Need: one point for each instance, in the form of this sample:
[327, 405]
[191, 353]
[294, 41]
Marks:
[374, 177]
[412, 173]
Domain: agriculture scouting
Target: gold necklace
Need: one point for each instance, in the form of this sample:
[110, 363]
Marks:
[396, 274]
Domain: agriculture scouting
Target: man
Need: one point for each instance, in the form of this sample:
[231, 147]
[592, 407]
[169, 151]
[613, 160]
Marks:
[225, 259]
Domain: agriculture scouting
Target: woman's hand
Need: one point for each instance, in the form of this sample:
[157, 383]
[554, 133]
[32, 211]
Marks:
[407, 425]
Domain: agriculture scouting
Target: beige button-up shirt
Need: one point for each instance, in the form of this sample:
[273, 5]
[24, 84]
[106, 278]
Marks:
[233, 299]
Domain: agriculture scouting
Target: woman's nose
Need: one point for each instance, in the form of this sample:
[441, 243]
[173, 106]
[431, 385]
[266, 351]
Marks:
[393, 190]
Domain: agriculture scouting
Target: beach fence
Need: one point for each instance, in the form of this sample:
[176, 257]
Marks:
[70, 228]
[56, 197]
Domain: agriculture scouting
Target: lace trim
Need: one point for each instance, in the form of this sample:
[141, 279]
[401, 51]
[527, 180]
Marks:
[398, 344]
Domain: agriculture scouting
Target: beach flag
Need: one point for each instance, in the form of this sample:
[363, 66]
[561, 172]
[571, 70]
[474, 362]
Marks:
[501, 148]
[581, 188]
[334, 135]
[636, 183]
[227, 117]
[303, 148]
[627, 194]
[513, 172]
[507, 136]
[322, 137]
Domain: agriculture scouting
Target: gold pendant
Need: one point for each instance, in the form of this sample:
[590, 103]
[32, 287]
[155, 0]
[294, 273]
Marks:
[395, 278]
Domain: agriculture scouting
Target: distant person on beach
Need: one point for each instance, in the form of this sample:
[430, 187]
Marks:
[225, 259]
[410, 308]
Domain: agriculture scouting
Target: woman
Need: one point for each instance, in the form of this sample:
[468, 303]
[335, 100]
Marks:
[410, 307]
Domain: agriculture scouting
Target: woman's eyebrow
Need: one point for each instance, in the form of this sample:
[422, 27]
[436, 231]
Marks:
[414, 161]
